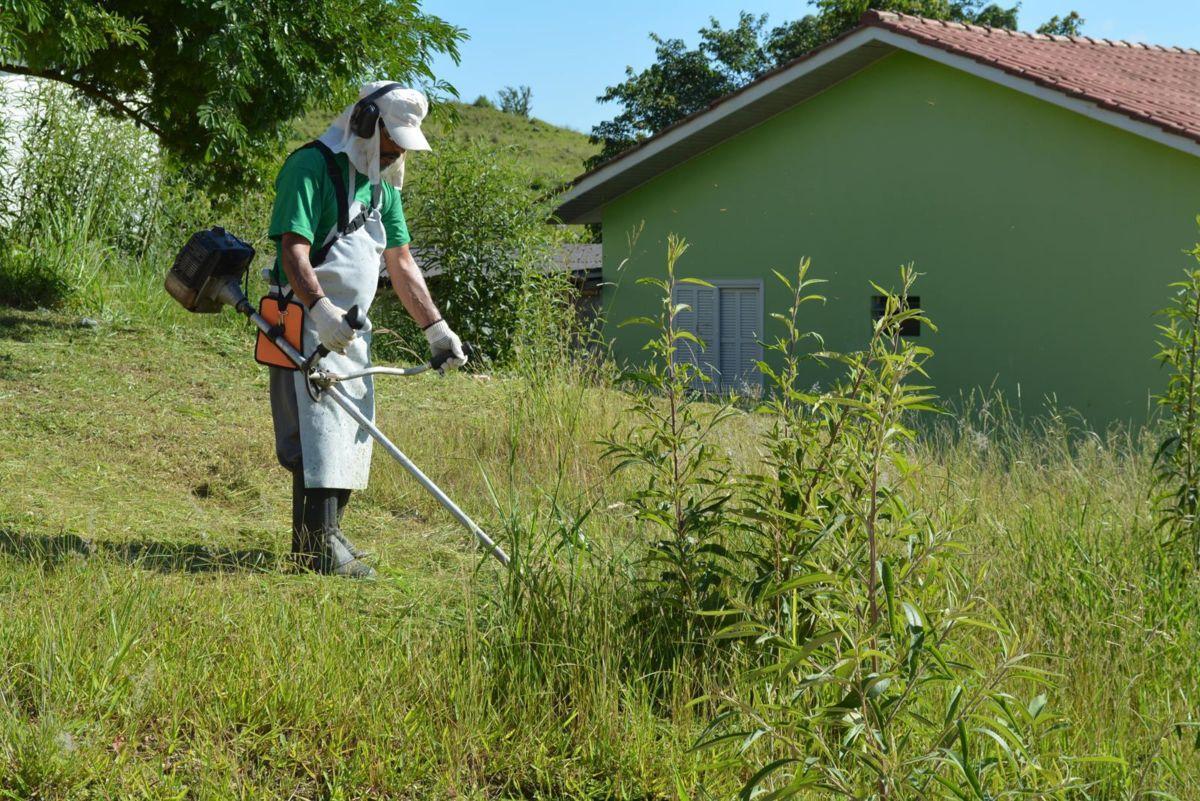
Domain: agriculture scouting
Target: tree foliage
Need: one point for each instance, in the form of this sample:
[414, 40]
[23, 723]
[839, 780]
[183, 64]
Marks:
[683, 80]
[1070, 25]
[516, 100]
[218, 82]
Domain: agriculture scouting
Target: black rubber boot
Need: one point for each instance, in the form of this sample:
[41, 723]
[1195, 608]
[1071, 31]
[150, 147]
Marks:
[329, 555]
[357, 553]
[302, 551]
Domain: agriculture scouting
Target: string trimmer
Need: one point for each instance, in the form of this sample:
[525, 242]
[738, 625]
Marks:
[207, 276]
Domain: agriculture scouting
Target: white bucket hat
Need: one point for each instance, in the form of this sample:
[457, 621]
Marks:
[401, 111]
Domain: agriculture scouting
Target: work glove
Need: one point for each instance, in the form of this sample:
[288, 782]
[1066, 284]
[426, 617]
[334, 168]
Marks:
[444, 341]
[332, 329]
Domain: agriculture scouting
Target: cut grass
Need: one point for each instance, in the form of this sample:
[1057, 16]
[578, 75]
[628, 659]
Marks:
[157, 645]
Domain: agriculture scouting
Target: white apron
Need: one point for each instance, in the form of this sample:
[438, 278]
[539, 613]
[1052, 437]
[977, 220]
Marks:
[336, 451]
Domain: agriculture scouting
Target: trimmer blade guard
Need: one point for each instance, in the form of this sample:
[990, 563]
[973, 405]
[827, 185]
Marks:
[207, 262]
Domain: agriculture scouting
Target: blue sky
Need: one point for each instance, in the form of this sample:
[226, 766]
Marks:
[568, 52]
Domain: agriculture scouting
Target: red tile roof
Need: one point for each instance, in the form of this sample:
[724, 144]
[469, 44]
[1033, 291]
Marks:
[1157, 85]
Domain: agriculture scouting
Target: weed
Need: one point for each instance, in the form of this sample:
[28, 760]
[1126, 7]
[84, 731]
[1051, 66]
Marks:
[683, 480]
[858, 627]
[1177, 462]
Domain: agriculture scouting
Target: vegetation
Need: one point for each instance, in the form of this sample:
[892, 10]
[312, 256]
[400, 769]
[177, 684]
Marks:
[157, 645]
[550, 155]
[683, 80]
[685, 478]
[217, 82]
[481, 231]
[516, 100]
[820, 594]
[1178, 459]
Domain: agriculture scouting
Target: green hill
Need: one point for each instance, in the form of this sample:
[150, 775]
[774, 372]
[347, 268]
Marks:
[553, 155]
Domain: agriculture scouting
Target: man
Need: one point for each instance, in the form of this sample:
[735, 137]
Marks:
[329, 240]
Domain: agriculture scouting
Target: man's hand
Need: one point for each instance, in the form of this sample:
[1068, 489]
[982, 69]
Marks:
[443, 341]
[332, 329]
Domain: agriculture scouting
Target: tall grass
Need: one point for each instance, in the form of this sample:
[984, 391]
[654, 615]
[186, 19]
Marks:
[830, 596]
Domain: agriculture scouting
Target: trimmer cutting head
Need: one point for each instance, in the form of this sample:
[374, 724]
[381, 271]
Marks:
[206, 272]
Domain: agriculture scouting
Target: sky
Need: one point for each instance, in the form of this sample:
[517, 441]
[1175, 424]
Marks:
[568, 52]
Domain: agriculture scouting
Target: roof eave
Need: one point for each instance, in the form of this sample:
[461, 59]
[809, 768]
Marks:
[799, 81]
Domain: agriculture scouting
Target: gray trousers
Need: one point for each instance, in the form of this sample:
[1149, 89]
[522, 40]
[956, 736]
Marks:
[286, 417]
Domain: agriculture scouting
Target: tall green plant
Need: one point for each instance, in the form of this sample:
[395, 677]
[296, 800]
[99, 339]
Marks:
[683, 478]
[480, 229]
[859, 631]
[1177, 462]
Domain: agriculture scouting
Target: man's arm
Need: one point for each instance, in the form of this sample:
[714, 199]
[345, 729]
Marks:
[299, 270]
[409, 286]
[333, 330]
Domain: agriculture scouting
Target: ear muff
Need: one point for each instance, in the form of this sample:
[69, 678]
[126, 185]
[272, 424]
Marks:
[364, 119]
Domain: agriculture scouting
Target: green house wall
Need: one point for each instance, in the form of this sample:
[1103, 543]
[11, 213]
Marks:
[1045, 239]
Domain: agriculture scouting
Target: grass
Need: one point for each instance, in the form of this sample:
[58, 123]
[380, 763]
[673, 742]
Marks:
[551, 154]
[156, 644]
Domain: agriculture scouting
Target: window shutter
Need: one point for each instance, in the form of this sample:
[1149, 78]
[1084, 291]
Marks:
[706, 329]
[741, 330]
[699, 319]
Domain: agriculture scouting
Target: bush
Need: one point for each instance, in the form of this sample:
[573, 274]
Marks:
[477, 226]
[90, 204]
[516, 100]
[851, 655]
[1177, 463]
[80, 185]
[862, 638]
[684, 484]
[483, 102]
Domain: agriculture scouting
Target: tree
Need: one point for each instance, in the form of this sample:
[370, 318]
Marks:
[1070, 25]
[683, 81]
[217, 83]
[516, 100]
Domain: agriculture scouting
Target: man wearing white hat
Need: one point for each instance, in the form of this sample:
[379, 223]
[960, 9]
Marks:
[337, 211]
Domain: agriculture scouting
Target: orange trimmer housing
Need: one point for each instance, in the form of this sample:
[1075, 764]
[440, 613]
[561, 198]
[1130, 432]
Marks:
[288, 317]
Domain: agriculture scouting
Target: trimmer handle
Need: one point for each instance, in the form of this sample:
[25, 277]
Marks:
[437, 361]
[354, 318]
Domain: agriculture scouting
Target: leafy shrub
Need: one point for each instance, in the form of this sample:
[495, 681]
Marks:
[477, 226]
[684, 482]
[483, 102]
[90, 204]
[516, 100]
[78, 182]
[1177, 463]
[856, 626]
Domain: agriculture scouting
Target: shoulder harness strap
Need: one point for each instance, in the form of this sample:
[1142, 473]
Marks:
[345, 225]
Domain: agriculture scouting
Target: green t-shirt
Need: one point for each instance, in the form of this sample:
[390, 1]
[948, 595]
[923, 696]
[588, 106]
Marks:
[305, 203]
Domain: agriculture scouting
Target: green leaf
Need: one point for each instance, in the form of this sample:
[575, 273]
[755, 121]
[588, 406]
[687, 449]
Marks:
[968, 768]
[1036, 706]
[762, 775]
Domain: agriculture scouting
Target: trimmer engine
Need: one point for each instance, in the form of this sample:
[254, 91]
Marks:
[206, 272]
